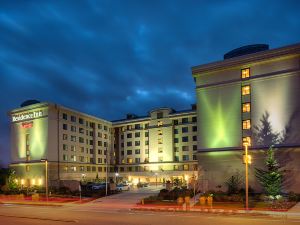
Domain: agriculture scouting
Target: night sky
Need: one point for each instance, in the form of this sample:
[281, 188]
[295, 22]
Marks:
[109, 58]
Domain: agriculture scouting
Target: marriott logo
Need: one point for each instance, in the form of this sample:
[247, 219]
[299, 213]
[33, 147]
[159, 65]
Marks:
[26, 116]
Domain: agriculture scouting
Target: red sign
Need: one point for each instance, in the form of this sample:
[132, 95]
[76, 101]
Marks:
[27, 125]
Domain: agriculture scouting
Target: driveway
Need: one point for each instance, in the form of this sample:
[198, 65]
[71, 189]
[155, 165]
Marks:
[121, 201]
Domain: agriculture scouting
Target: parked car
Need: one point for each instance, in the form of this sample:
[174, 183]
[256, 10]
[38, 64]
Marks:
[123, 187]
[99, 186]
[142, 184]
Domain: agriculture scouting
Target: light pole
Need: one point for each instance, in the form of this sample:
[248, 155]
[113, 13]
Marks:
[117, 174]
[106, 178]
[46, 177]
[246, 174]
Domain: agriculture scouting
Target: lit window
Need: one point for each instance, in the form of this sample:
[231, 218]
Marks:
[246, 107]
[160, 150]
[245, 73]
[159, 123]
[246, 124]
[160, 140]
[246, 90]
[129, 160]
[160, 132]
[247, 140]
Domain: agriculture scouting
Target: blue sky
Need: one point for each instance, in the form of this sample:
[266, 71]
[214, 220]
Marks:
[109, 58]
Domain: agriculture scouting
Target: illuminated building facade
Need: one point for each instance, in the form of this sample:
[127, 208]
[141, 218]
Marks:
[155, 148]
[252, 97]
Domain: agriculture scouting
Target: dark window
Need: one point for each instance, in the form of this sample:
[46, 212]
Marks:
[194, 128]
[176, 158]
[194, 119]
[129, 135]
[65, 126]
[129, 143]
[185, 157]
[185, 120]
[159, 115]
[194, 138]
[129, 152]
[65, 116]
[194, 147]
[137, 134]
[137, 126]
[185, 129]
[175, 122]
[146, 134]
[137, 151]
[175, 140]
[137, 143]
[81, 121]
[175, 131]
[185, 139]
[73, 118]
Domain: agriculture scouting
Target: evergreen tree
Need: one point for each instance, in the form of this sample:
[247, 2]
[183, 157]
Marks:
[271, 178]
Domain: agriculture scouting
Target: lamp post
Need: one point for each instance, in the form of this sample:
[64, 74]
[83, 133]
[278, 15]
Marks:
[46, 177]
[246, 174]
[116, 174]
[106, 177]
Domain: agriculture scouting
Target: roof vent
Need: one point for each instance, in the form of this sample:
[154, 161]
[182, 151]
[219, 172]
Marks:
[245, 50]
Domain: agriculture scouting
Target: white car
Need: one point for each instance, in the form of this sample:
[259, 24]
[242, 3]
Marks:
[123, 187]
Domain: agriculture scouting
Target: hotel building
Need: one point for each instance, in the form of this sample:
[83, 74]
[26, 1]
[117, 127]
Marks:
[252, 96]
[155, 148]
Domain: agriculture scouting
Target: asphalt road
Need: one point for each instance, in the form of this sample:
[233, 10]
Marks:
[115, 210]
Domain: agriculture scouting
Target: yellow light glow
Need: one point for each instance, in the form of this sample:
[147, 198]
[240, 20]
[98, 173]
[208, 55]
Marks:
[245, 73]
[40, 182]
[249, 159]
[33, 182]
[16, 180]
[246, 107]
[247, 141]
[186, 177]
[135, 181]
[246, 90]
[246, 124]
[129, 178]
[22, 181]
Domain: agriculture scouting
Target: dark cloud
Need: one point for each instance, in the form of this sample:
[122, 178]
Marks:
[108, 58]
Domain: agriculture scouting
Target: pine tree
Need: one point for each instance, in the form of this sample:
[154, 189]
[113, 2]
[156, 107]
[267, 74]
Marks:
[271, 178]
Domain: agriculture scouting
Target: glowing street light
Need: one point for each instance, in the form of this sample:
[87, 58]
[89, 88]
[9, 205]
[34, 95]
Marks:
[46, 176]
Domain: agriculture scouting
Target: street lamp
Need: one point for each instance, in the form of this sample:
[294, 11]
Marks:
[46, 177]
[247, 161]
[117, 174]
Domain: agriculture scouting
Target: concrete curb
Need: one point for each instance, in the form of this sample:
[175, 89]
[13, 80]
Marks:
[34, 203]
[225, 211]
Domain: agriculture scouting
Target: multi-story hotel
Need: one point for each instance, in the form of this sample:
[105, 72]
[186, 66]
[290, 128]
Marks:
[252, 96]
[154, 148]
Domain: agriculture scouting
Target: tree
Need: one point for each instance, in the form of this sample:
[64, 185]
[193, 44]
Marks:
[271, 178]
[234, 183]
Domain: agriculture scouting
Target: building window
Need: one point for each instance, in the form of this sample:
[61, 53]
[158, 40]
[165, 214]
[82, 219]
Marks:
[137, 126]
[73, 158]
[129, 135]
[175, 140]
[175, 131]
[73, 168]
[137, 151]
[185, 148]
[146, 134]
[159, 123]
[137, 143]
[194, 138]
[176, 158]
[73, 128]
[73, 118]
[73, 148]
[81, 121]
[185, 139]
[129, 143]
[65, 137]
[246, 107]
[137, 160]
[137, 134]
[129, 160]
[65, 126]
[65, 116]
[99, 126]
[81, 140]
[65, 157]
[81, 168]
[146, 142]
[247, 140]
[160, 150]
[160, 159]
[185, 120]
[159, 132]
[159, 115]
[65, 147]
[185, 167]
[245, 73]
[246, 124]
[129, 152]
[194, 157]
[246, 90]
[176, 149]
[146, 151]
[184, 129]
[194, 119]
[146, 125]
[175, 122]
[194, 147]
[73, 138]
[194, 128]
